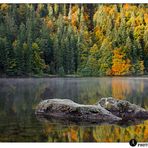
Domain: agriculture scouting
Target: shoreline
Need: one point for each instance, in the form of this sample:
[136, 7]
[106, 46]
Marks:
[70, 76]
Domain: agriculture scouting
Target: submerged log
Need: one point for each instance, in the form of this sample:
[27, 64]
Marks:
[69, 110]
[107, 110]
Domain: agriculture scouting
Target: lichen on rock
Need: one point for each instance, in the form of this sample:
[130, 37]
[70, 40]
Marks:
[109, 110]
[123, 108]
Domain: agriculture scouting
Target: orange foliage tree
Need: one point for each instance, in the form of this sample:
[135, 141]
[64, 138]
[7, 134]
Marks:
[120, 64]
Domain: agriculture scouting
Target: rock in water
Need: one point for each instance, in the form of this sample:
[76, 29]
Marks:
[107, 110]
[69, 110]
[123, 109]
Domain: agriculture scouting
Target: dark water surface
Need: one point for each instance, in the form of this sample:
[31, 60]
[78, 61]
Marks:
[19, 97]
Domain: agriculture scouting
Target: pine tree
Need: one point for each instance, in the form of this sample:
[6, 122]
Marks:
[3, 56]
[11, 61]
[19, 51]
[84, 41]
[146, 50]
[37, 62]
[105, 59]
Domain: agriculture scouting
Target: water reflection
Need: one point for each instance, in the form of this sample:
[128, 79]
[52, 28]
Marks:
[103, 133]
[18, 98]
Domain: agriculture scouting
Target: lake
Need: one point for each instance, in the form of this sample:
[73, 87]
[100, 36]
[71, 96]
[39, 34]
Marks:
[19, 97]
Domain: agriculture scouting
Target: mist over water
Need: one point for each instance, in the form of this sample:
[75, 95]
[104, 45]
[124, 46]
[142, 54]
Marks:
[19, 97]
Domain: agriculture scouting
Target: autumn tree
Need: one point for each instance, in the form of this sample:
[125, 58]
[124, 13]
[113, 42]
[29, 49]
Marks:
[121, 65]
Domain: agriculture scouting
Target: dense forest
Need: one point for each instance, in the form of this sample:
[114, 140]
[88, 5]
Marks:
[64, 39]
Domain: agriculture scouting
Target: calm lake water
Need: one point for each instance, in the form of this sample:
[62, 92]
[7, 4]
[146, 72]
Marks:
[19, 97]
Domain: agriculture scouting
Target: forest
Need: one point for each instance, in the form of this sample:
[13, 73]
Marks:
[73, 39]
